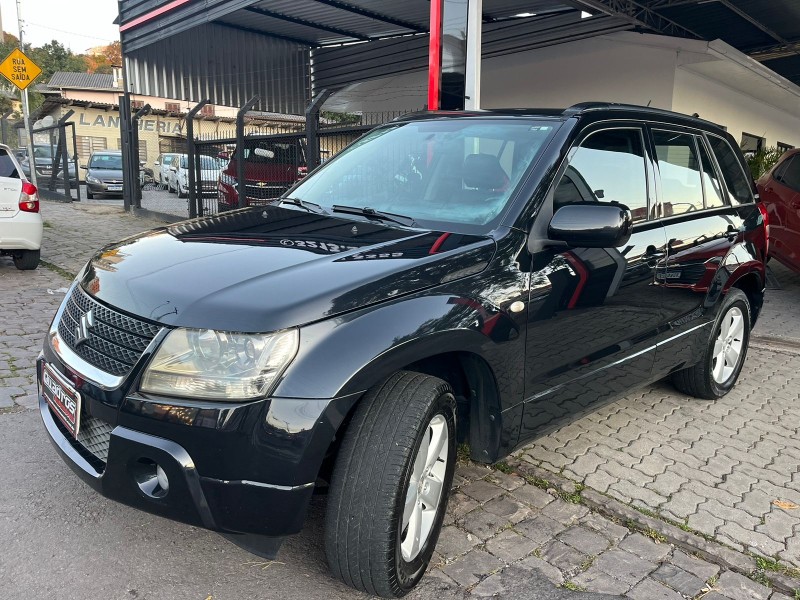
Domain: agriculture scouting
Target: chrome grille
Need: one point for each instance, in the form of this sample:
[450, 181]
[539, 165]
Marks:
[116, 341]
[95, 436]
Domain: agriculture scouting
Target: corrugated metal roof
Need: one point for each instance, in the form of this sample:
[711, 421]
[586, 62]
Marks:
[83, 81]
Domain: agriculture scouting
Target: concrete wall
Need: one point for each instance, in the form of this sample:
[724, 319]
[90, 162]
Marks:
[735, 110]
[594, 69]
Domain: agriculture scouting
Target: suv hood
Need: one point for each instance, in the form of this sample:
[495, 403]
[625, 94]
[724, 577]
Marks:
[268, 268]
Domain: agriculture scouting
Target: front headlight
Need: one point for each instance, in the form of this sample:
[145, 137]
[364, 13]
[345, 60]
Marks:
[91, 179]
[216, 365]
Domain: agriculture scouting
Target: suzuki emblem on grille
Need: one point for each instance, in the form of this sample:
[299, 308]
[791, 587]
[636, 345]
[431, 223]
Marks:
[84, 328]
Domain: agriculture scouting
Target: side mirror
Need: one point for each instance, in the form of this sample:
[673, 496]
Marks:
[156, 164]
[592, 225]
[174, 169]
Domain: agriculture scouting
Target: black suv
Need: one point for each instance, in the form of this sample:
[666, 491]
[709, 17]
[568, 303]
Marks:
[449, 278]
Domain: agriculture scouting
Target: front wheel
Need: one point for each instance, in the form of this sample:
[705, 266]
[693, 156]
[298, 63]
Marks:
[722, 362]
[390, 484]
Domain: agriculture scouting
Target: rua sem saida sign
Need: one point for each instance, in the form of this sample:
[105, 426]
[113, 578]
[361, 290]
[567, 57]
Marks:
[19, 69]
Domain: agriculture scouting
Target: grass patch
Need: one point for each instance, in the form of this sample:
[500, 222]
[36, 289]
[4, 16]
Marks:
[712, 581]
[537, 481]
[57, 269]
[503, 467]
[587, 563]
[463, 453]
[47, 225]
[760, 577]
[768, 564]
[574, 497]
[654, 535]
[572, 586]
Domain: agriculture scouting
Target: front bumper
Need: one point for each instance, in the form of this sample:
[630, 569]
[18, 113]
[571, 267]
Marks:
[103, 188]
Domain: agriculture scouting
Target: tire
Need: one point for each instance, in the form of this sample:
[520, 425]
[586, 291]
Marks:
[366, 540]
[181, 193]
[89, 195]
[26, 260]
[703, 380]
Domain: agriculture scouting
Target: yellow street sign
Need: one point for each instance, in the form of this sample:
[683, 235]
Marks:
[19, 69]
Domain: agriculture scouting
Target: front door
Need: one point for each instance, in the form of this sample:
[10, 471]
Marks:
[594, 313]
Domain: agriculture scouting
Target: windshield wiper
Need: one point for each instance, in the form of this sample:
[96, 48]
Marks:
[371, 213]
[309, 206]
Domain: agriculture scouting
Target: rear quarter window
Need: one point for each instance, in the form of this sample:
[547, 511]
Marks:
[739, 186]
[7, 166]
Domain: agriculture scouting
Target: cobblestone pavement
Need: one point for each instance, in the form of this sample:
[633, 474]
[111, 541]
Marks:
[714, 467]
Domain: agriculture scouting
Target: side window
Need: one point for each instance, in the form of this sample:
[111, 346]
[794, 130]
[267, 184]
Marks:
[715, 197]
[738, 185]
[791, 175]
[608, 166]
[679, 166]
[7, 166]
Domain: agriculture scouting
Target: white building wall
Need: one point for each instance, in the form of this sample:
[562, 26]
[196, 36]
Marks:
[736, 111]
[595, 69]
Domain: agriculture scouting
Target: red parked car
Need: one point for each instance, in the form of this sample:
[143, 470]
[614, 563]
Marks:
[780, 194]
[271, 167]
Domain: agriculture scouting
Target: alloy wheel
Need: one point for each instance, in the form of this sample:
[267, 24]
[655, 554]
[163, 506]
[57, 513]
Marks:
[728, 346]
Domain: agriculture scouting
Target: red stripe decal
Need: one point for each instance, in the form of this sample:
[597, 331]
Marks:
[153, 14]
[435, 55]
[437, 245]
[583, 276]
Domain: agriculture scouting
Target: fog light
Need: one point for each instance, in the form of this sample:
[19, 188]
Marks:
[163, 480]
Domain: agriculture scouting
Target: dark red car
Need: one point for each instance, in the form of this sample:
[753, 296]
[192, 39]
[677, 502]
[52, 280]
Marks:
[271, 167]
[780, 193]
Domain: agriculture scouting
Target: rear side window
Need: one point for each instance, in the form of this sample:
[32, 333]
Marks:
[7, 166]
[608, 166]
[715, 197]
[791, 174]
[681, 186]
[739, 188]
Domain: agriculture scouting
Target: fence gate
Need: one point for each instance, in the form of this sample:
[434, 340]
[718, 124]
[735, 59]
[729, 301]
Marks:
[55, 158]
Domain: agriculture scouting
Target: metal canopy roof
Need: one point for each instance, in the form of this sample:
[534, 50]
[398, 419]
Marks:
[767, 31]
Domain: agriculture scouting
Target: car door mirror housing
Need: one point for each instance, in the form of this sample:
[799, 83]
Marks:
[592, 225]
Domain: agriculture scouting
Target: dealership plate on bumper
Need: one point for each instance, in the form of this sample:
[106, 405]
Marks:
[64, 399]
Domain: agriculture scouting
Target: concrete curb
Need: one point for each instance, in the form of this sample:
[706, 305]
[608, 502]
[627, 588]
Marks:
[769, 342]
[712, 552]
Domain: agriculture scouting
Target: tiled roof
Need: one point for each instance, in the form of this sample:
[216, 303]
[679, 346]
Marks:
[85, 81]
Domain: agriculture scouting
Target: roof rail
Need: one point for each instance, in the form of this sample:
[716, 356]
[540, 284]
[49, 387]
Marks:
[583, 107]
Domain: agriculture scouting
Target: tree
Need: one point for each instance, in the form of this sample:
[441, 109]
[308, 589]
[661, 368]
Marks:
[104, 59]
[54, 57]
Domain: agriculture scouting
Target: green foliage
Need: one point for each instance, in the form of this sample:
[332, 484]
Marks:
[54, 56]
[503, 467]
[762, 161]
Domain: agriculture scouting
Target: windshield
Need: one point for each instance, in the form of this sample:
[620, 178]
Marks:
[207, 163]
[275, 153]
[43, 152]
[455, 171]
[106, 161]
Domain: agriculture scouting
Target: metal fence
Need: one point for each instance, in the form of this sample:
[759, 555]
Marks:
[55, 160]
[201, 169]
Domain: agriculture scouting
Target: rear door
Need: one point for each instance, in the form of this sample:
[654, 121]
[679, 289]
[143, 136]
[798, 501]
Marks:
[706, 216]
[10, 185]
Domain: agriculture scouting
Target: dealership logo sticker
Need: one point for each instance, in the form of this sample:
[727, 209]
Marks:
[84, 328]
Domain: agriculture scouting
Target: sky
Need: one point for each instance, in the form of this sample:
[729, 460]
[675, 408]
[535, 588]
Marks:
[78, 24]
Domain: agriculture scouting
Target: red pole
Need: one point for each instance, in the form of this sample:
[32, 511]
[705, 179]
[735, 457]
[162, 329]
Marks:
[435, 55]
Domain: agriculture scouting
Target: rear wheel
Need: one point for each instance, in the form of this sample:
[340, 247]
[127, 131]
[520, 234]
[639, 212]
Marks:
[26, 260]
[89, 195]
[722, 362]
[390, 485]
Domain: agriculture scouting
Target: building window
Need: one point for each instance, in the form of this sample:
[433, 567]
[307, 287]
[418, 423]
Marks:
[142, 149]
[137, 104]
[207, 110]
[782, 147]
[173, 107]
[88, 144]
[751, 143]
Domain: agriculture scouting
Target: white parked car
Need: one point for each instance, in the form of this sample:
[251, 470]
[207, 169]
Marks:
[210, 168]
[20, 222]
[162, 165]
